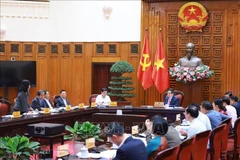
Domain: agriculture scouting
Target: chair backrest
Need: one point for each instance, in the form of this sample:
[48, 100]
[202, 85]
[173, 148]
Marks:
[162, 147]
[215, 142]
[168, 154]
[92, 98]
[5, 107]
[54, 99]
[179, 95]
[185, 151]
[199, 150]
[237, 134]
[225, 134]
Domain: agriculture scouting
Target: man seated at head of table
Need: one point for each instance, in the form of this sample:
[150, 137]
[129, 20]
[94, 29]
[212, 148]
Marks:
[172, 135]
[171, 100]
[129, 148]
[37, 102]
[62, 101]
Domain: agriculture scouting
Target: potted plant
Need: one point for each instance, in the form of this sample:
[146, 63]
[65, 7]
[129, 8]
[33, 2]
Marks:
[82, 131]
[17, 148]
[120, 85]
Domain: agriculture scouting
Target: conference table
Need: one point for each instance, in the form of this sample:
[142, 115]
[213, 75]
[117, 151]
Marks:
[130, 116]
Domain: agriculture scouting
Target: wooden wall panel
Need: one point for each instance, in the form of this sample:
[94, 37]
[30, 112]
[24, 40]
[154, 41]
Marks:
[69, 65]
[218, 44]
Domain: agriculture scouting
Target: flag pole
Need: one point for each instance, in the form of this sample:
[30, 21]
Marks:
[144, 91]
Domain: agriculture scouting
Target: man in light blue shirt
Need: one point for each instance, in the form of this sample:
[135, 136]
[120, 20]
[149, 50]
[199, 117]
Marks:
[215, 117]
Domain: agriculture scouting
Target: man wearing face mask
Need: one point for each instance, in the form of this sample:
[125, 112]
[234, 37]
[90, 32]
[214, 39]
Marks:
[129, 148]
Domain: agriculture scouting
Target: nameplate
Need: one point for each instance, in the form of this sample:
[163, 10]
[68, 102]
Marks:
[81, 105]
[90, 143]
[135, 130]
[178, 117]
[93, 104]
[68, 108]
[63, 150]
[16, 114]
[46, 110]
[159, 104]
[113, 104]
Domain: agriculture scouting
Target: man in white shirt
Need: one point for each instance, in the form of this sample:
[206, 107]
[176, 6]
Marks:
[196, 126]
[203, 117]
[103, 99]
[47, 101]
[231, 111]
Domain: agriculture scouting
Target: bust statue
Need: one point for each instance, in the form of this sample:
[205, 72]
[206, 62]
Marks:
[190, 60]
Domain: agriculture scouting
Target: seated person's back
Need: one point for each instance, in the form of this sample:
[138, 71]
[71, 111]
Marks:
[129, 148]
[196, 126]
[159, 128]
[215, 117]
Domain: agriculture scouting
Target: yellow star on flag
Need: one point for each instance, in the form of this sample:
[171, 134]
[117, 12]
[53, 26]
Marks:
[159, 63]
[192, 10]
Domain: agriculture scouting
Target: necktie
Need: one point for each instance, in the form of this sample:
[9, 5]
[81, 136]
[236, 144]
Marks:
[169, 100]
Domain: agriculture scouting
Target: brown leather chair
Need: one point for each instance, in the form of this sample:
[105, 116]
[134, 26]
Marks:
[233, 148]
[179, 95]
[199, 150]
[215, 142]
[163, 146]
[185, 151]
[5, 107]
[168, 154]
[54, 99]
[225, 138]
[92, 98]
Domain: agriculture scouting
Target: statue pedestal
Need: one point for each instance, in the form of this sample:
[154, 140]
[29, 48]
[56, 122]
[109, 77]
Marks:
[192, 92]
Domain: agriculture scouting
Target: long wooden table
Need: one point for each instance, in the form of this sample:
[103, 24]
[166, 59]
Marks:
[11, 127]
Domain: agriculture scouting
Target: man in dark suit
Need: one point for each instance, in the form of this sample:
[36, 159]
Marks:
[171, 100]
[37, 102]
[129, 148]
[62, 101]
[47, 102]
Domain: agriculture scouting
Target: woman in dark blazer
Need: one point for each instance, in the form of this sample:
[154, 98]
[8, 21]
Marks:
[21, 103]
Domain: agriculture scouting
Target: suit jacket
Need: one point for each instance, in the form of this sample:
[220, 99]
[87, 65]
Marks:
[132, 149]
[45, 104]
[21, 103]
[59, 102]
[36, 104]
[173, 103]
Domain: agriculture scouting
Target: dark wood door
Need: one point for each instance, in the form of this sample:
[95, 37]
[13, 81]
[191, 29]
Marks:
[101, 76]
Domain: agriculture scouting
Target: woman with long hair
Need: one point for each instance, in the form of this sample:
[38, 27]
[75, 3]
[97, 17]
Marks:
[218, 106]
[21, 103]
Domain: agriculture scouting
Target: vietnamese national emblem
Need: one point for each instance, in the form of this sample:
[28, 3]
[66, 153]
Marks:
[193, 16]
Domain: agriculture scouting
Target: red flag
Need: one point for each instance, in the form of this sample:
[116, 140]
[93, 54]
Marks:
[145, 67]
[160, 69]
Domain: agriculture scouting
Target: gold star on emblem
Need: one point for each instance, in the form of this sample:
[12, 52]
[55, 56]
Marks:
[192, 10]
[159, 63]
